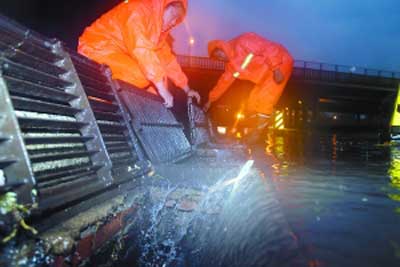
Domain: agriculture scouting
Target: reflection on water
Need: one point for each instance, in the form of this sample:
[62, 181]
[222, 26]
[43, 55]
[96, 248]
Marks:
[394, 174]
[340, 194]
[334, 200]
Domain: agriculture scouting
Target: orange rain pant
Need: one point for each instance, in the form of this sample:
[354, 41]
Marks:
[253, 58]
[264, 96]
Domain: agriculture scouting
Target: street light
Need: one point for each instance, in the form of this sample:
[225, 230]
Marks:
[191, 44]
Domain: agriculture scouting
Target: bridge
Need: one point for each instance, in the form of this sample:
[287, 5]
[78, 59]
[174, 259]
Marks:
[318, 94]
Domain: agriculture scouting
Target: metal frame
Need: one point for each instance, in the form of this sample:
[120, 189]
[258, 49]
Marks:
[13, 154]
[139, 124]
[195, 126]
[102, 158]
[125, 114]
[192, 122]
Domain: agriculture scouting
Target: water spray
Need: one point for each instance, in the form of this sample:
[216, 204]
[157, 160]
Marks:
[235, 181]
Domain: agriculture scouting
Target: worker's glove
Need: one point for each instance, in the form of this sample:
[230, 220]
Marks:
[278, 76]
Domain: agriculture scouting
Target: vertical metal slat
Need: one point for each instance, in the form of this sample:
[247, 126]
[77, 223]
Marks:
[126, 115]
[18, 170]
[102, 158]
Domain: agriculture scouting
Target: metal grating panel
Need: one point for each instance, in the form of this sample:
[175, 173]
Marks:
[102, 158]
[113, 122]
[59, 134]
[199, 125]
[15, 166]
[160, 134]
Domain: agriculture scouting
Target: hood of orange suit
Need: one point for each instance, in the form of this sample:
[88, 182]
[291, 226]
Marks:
[183, 2]
[220, 44]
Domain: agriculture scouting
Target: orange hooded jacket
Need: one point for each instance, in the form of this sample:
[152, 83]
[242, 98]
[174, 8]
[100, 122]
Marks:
[253, 58]
[129, 39]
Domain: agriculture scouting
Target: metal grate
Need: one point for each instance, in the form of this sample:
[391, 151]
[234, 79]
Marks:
[111, 117]
[156, 127]
[200, 125]
[15, 169]
[58, 129]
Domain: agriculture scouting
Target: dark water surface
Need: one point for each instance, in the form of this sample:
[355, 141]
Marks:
[340, 194]
[315, 200]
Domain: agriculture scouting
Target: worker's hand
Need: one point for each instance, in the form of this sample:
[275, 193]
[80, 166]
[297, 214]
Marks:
[168, 98]
[278, 76]
[207, 106]
[165, 94]
[192, 93]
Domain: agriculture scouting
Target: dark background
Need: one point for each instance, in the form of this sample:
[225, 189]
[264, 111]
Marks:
[64, 20]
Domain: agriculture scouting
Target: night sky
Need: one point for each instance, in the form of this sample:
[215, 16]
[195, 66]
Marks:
[64, 20]
[362, 33]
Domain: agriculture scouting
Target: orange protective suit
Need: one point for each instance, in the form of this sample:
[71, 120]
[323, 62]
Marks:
[129, 39]
[253, 58]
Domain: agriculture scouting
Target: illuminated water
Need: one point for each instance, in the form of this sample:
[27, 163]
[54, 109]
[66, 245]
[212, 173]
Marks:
[321, 200]
[340, 195]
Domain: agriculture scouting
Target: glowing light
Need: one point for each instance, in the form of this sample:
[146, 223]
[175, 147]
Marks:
[126, 1]
[335, 117]
[394, 197]
[240, 116]
[279, 126]
[247, 61]
[395, 120]
[191, 41]
[279, 123]
[99, 99]
[221, 130]
[238, 135]
[300, 102]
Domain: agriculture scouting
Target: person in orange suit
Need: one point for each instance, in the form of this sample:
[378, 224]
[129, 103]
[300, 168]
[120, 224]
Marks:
[132, 40]
[266, 64]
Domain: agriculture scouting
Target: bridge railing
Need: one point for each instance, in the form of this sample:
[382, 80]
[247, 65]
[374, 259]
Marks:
[346, 69]
[206, 63]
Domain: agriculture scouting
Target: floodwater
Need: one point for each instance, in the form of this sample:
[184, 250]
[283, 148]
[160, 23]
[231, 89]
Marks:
[315, 200]
[340, 194]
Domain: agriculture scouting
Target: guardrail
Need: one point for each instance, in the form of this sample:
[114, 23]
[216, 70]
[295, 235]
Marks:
[307, 70]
